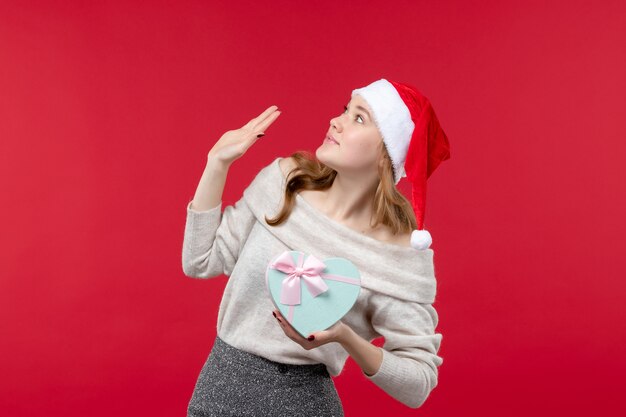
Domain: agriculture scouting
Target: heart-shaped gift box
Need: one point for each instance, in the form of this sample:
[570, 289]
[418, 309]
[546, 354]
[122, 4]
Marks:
[312, 294]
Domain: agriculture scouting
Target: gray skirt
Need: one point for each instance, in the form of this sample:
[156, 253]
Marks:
[233, 382]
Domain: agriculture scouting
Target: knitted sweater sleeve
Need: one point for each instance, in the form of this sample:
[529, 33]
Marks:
[408, 371]
[213, 239]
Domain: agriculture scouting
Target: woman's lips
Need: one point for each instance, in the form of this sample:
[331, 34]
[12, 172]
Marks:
[331, 140]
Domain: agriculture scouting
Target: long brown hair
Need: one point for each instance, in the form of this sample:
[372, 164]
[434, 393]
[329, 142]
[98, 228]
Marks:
[390, 206]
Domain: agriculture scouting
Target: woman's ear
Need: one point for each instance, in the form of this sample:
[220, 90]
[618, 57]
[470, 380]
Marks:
[381, 155]
[381, 160]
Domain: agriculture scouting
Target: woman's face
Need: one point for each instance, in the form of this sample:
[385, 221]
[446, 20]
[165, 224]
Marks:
[358, 148]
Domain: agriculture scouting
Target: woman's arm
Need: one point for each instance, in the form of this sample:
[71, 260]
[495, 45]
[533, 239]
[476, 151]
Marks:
[368, 356]
[211, 186]
[213, 240]
[408, 368]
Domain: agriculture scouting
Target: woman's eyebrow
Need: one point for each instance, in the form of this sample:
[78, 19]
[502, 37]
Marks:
[362, 108]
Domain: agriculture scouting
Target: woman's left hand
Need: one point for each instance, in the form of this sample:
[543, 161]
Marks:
[335, 333]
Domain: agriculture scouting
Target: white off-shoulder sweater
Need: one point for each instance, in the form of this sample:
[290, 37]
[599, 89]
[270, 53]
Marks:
[398, 285]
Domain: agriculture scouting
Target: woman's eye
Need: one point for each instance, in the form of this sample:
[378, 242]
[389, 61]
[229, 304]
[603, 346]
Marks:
[345, 109]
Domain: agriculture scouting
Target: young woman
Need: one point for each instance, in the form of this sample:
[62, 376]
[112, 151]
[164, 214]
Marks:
[341, 202]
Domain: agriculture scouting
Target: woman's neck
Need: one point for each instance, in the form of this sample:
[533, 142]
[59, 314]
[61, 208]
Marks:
[349, 200]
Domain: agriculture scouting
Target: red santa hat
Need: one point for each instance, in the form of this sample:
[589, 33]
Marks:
[414, 140]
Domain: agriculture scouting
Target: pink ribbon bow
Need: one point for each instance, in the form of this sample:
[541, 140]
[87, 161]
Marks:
[309, 272]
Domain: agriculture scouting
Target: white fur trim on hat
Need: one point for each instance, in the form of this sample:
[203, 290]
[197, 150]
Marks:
[393, 119]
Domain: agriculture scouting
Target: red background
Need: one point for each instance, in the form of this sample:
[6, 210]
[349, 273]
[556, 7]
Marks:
[107, 113]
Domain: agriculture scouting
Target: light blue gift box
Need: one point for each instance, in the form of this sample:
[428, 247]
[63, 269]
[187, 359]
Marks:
[314, 313]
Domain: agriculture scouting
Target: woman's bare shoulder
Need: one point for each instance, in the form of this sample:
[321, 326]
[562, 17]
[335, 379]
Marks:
[401, 239]
[384, 233]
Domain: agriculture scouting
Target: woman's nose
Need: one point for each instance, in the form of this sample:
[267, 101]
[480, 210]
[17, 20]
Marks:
[336, 123]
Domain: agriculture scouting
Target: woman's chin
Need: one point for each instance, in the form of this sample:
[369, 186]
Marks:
[319, 153]
[323, 157]
[322, 154]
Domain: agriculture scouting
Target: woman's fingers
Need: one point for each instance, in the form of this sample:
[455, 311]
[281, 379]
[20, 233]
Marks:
[287, 327]
[263, 125]
[261, 128]
[261, 117]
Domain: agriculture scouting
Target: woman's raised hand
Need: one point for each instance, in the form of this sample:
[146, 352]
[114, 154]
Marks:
[234, 143]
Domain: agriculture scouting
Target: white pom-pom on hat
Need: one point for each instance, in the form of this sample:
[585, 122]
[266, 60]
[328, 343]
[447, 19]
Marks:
[421, 239]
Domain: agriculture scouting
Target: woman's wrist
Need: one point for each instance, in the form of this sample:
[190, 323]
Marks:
[213, 163]
[368, 356]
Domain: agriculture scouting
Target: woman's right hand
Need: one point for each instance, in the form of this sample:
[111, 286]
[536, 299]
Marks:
[234, 143]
